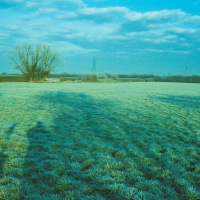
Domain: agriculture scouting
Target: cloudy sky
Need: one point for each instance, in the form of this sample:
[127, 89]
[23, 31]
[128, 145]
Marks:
[125, 36]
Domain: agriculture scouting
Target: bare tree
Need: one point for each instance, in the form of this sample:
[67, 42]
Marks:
[35, 62]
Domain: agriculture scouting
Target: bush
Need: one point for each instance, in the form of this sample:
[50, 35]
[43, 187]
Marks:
[69, 79]
[131, 79]
[181, 79]
[13, 78]
[88, 78]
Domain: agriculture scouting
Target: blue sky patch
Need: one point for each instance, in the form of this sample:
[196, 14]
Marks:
[140, 36]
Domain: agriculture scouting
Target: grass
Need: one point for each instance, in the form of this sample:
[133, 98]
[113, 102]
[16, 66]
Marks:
[99, 141]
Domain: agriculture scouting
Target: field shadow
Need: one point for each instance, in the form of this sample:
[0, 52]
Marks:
[181, 100]
[38, 149]
[88, 134]
[3, 155]
[76, 114]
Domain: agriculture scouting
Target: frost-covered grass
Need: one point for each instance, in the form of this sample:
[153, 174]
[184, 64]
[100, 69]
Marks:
[99, 141]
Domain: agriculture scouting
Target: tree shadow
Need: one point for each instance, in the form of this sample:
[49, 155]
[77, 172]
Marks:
[87, 133]
[181, 100]
[3, 156]
[79, 135]
[37, 152]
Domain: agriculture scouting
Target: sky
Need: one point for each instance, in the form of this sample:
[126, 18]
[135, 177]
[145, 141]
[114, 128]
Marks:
[158, 37]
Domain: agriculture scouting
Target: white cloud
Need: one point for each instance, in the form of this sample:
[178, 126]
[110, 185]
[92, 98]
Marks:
[71, 49]
[87, 30]
[166, 51]
[155, 15]
[96, 14]
[11, 1]
[3, 35]
[194, 19]
[44, 11]
[153, 36]
[100, 11]
[183, 30]
[61, 3]
[31, 4]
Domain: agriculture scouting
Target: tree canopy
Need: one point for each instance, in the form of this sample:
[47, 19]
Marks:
[34, 61]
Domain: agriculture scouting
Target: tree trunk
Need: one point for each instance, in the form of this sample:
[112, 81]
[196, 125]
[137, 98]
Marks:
[44, 78]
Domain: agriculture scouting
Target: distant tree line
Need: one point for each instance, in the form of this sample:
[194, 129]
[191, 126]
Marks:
[137, 76]
[67, 77]
[183, 79]
[155, 78]
[13, 78]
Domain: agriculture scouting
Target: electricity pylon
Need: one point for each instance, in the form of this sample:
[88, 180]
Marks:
[94, 64]
[186, 70]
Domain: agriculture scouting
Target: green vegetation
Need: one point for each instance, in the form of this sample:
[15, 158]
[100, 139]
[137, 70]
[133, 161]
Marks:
[34, 61]
[99, 141]
[107, 78]
[13, 78]
[154, 78]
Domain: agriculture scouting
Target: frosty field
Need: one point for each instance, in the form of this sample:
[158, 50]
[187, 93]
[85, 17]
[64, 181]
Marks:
[99, 141]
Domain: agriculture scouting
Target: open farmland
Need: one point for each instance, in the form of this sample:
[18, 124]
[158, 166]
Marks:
[99, 141]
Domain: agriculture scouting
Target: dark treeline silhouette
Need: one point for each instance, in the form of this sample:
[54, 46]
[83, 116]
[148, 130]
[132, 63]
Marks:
[13, 78]
[119, 77]
[155, 78]
[135, 77]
